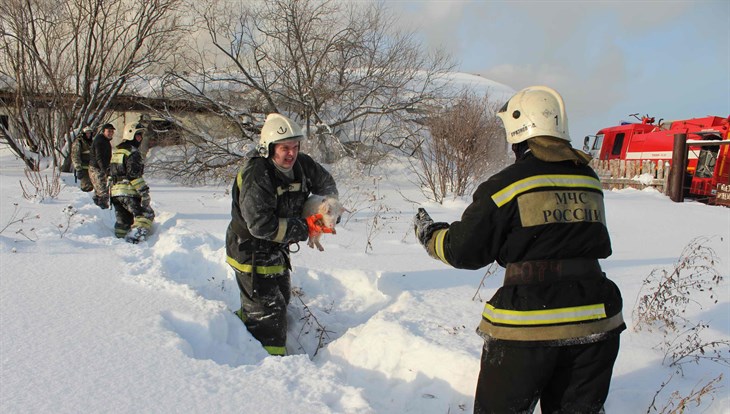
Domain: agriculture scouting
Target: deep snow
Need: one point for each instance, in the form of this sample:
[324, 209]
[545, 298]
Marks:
[92, 324]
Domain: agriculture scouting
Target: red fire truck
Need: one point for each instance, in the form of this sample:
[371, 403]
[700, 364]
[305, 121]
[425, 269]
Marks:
[708, 166]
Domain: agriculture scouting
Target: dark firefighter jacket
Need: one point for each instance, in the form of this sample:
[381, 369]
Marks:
[530, 215]
[126, 170]
[266, 205]
[100, 153]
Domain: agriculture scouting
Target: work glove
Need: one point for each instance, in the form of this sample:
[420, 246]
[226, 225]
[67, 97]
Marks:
[314, 225]
[424, 227]
[296, 230]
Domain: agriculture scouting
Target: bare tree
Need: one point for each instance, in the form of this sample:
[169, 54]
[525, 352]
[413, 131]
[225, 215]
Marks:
[64, 62]
[336, 67]
[465, 142]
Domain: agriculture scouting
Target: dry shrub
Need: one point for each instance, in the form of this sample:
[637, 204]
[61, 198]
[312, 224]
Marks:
[40, 185]
[466, 143]
[678, 403]
[662, 303]
[668, 292]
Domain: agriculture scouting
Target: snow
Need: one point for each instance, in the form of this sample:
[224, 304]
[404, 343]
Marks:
[93, 324]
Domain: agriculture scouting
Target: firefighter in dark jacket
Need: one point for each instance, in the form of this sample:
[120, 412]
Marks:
[80, 159]
[268, 197]
[552, 330]
[100, 155]
[129, 191]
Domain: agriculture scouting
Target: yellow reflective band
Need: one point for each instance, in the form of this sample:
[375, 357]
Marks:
[242, 316]
[438, 244]
[550, 332]
[544, 317]
[123, 189]
[276, 350]
[142, 222]
[282, 230]
[138, 183]
[118, 156]
[239, 179]
[260, 270]
[506, 194]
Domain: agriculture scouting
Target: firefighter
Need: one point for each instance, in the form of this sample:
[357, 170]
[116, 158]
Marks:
[552, 330]
[268, 197]
[100, 154]
[129, 191]
[80, 158]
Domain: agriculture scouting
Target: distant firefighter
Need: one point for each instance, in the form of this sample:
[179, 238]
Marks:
[80, 153]
[100, 155]
[129, 191]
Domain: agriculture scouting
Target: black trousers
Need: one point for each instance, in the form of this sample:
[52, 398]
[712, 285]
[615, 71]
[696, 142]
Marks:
[566, 379]
[130, 213]
[263, 308]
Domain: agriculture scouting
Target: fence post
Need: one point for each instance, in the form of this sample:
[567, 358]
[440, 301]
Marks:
[660, 170]
[667, 172]
[679, 168]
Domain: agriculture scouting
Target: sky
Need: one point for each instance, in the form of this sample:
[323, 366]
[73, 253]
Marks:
[608, 59]
[91, 324]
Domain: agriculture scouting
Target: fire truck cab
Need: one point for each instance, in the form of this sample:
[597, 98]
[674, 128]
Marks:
[707, 166]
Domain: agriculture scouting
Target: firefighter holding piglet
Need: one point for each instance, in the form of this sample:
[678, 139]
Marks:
[551, 332]
[269, 194]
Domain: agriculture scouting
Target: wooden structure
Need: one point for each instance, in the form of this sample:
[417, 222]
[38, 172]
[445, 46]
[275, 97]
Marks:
[618, 174]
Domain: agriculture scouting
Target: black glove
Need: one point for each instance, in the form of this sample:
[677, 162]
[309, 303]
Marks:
[424, 226]
[296, 230]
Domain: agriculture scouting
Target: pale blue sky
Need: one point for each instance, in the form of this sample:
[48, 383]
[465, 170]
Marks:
[668, 59]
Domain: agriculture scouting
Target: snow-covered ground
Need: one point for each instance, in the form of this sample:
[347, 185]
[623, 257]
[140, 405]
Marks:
[91, 324]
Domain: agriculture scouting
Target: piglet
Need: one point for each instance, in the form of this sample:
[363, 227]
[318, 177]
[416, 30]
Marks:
[330, 209]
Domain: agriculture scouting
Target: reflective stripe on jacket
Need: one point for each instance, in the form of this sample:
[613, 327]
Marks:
[260, 270]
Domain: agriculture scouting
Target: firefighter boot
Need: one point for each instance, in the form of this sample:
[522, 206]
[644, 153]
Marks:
[136, 235]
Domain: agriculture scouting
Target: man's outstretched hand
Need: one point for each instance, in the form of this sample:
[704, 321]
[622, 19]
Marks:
[424, 226]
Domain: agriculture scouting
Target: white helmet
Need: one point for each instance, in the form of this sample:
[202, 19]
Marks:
[132, 129]
[277, 128]
[87, 129]
[532, 112]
